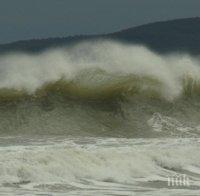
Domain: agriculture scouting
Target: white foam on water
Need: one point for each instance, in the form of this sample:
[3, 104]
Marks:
[110, 165]
[161, 123]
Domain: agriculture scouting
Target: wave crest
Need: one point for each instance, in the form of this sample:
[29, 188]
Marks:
[98, 85]
[99, 71]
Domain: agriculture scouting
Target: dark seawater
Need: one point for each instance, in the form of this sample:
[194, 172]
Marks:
[99, 119]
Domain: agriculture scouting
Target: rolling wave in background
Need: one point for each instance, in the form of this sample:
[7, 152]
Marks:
[99, 118]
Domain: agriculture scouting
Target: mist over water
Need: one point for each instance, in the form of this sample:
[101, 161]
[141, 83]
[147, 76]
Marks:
[101, 118]
[98, 65]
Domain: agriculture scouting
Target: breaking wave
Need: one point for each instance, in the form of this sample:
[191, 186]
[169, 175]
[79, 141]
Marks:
[100, 88]
[99, 70]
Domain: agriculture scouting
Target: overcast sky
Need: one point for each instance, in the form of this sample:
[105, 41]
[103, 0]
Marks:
[25, 19]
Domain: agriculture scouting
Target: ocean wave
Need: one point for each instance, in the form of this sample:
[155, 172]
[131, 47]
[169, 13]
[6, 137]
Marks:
[99, 70]
[97, 85]
[100, 89]
[114, 163]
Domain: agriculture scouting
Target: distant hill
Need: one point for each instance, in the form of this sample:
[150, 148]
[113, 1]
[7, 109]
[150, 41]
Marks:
[180, 35]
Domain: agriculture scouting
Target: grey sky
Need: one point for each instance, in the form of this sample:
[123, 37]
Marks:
[25, 19]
